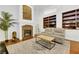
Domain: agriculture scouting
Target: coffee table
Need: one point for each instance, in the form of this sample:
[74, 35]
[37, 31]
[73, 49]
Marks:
[46, 41]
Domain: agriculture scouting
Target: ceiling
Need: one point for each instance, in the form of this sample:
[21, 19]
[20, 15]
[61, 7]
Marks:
[43, 8]
[46, 9]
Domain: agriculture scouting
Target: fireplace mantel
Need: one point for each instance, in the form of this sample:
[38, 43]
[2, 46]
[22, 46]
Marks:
[27, 32]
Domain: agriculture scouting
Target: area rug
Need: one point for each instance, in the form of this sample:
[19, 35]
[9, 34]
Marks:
[31, 47]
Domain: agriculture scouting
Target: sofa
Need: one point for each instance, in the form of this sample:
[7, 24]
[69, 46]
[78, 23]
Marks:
[58, 33]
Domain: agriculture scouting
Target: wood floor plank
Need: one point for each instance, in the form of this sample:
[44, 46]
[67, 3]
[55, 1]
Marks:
[74, 47]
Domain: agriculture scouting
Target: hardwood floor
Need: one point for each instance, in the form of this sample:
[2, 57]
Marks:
[74, 47]
[10, 42]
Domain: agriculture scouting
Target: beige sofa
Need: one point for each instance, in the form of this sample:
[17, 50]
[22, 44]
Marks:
[58, 33]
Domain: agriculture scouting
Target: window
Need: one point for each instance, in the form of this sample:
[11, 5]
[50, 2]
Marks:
[70, 19]
[49, 21]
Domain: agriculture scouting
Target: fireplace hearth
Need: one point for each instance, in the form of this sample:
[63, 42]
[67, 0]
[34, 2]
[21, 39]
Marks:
[27, 32]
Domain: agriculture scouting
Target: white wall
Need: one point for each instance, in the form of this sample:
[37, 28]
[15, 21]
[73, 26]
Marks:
[72, 35]
[69, 34]
[12, 9]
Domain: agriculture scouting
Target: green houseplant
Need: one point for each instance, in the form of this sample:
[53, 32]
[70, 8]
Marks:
[6, 22]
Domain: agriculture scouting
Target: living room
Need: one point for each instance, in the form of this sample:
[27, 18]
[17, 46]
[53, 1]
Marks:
[34, 25]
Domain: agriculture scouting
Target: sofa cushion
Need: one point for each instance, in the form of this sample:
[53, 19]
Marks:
[49, 31]
[59, 30]
[59, 35]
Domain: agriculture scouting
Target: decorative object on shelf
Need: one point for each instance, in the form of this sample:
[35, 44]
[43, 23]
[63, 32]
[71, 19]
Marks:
[49, 21]
[27, 12]
[70, 19]
[14, 35]
[6, 22]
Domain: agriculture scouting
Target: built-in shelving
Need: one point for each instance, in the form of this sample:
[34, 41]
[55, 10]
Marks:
[49, 21]
[70, 19]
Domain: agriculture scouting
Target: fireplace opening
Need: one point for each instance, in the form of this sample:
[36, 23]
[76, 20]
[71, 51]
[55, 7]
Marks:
[27, 32]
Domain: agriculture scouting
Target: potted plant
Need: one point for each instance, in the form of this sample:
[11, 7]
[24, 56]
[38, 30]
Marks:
[6, 22]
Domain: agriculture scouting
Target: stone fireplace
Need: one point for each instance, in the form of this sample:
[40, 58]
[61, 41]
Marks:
[27, 32]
